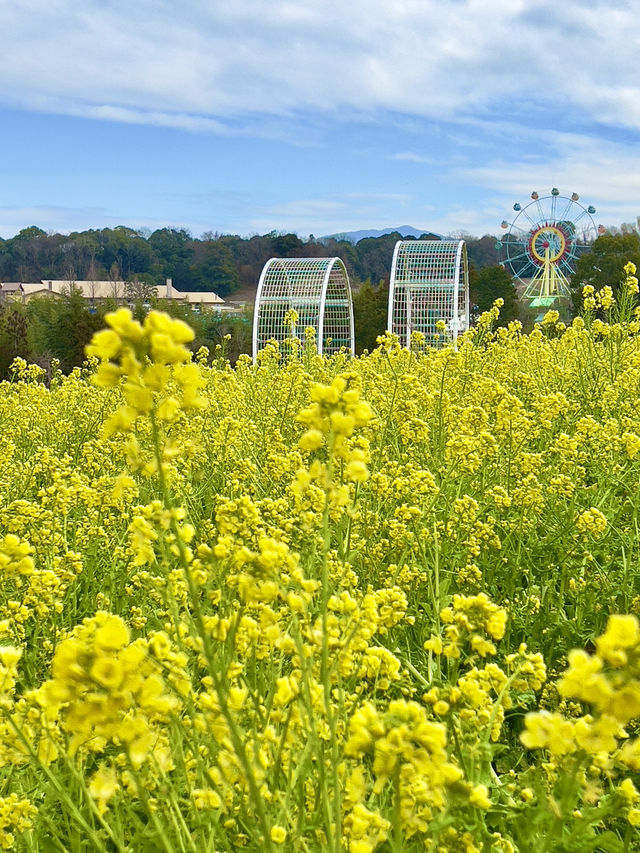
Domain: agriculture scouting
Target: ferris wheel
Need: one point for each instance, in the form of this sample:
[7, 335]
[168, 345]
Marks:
[543, 243]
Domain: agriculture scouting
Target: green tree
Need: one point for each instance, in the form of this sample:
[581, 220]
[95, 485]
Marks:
[604, 264]
[214, 268]
[13, 336]
[286, 245]
[140, 288]
[369, 313]
[213, 328]
[61, 328]
[85, 248]
[25, 254]
[482, 252]
[487, 285]
[374, 256]
[127, 248]
[173, 256]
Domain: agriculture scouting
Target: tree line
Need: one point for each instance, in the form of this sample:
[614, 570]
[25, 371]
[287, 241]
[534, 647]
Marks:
[45, 329]
[221, 263]
[48, 331]
[53, 333]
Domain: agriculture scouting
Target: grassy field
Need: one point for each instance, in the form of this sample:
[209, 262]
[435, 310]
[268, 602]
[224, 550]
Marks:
[325, 604]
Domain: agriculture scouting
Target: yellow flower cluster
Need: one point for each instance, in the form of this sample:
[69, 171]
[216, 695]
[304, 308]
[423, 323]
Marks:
[335, 412]
[16, 816]
[631, 281]
[609, 682]
[15, 557]
[150, 357]
[364, 830]
[592, 521]
[230, 655]
[465, 618]
[104, 689]
[410, 749]
[9, 657]
[477, 701]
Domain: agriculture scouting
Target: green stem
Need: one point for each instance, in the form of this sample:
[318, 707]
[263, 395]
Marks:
[61, 791]
[333, 820]
[217, 679]
[142, 795]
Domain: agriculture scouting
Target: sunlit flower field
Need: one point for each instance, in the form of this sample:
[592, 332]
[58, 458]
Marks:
[325, 604]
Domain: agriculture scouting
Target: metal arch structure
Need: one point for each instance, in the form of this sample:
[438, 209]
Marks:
[318, 290]
[543, 243]
[429, 283]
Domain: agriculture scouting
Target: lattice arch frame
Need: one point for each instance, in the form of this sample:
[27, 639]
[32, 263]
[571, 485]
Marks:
[429, 282]
[318, 290]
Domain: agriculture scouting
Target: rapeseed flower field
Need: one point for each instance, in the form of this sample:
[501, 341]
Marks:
[384, 603]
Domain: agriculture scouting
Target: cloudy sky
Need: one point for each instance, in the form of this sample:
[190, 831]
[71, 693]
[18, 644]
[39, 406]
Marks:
[316, 116]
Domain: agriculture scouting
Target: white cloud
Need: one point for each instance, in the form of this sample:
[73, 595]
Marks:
[64, 220]
[605, 175]
[516, 97]
[378, 196]
[412, 157]
[335, 214]
[201, 61]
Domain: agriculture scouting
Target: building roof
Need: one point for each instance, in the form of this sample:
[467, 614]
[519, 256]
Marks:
[29, 288]
[199, 297]
[107, 290]
[89, 289]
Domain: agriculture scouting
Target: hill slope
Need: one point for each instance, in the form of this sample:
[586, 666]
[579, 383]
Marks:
[354, 236]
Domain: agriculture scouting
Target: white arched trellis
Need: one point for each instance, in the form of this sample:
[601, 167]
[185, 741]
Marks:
[318, 290]
[429, 282]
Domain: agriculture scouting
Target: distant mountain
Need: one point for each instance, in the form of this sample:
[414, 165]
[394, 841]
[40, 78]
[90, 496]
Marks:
[354, 236]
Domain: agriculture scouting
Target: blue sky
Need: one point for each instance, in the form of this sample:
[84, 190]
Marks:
[316, 117]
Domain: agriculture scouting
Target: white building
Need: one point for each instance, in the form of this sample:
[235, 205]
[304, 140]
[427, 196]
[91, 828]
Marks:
[97, 292]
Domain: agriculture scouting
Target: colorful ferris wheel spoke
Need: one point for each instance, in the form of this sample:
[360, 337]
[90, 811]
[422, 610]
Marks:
[543, 243]
[524, 213]
[570, 202]
[541, 214]
[518, 233]
[522, 254]
[582, 215]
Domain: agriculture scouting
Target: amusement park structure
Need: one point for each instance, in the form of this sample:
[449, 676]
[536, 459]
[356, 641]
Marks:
[297, 293]
[429, 283]
[543, 243]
